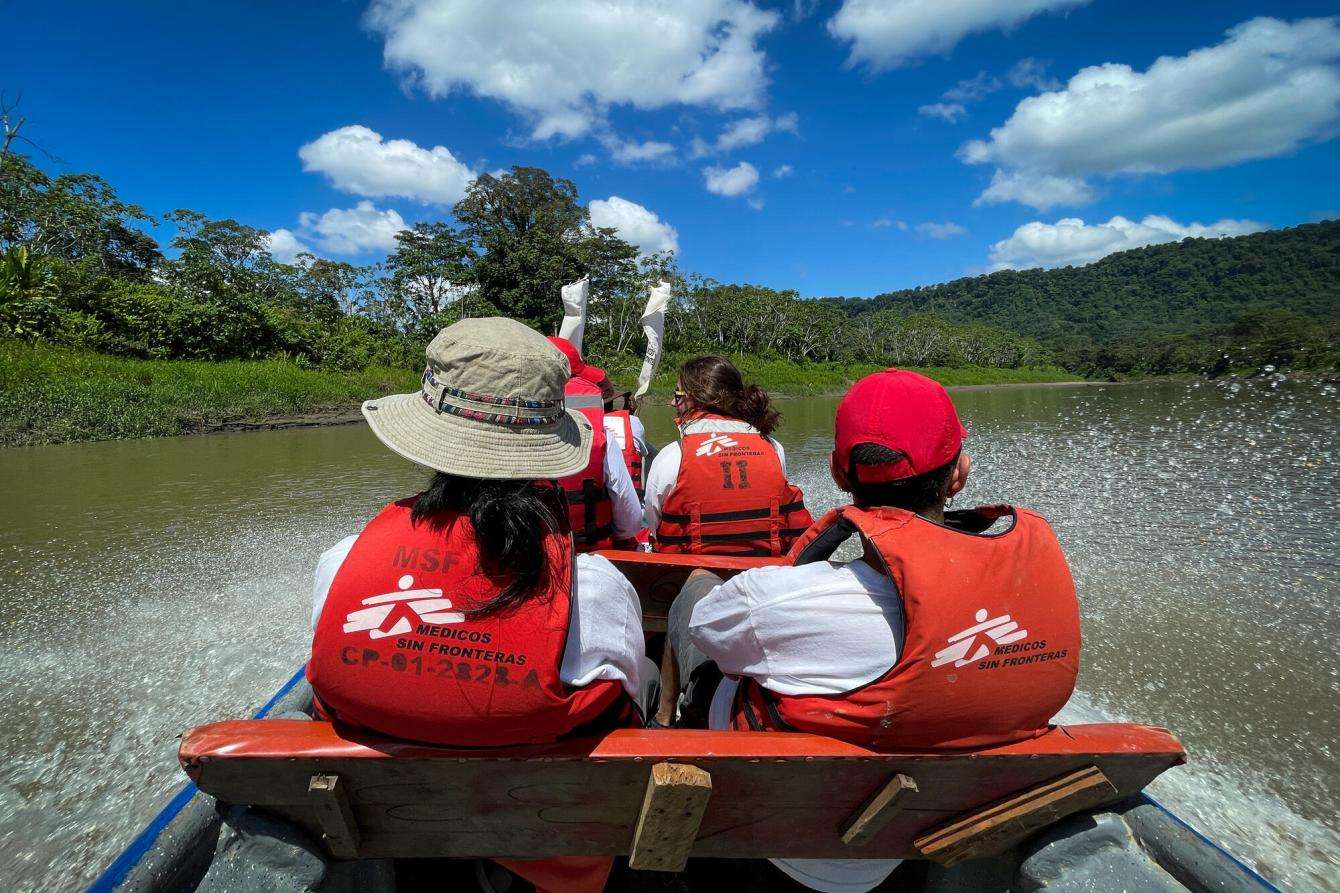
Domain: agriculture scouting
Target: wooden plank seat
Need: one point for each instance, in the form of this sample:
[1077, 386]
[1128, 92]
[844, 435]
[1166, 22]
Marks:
[658, 576]
[677, 792]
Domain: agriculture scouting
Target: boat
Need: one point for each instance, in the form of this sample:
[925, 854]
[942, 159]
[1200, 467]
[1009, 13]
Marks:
[1065, 811]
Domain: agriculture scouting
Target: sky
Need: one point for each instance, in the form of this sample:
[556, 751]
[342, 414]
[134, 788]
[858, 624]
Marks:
[849, 147]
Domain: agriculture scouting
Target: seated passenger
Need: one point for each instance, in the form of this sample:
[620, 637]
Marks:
[604, 506]
[460, 616]
[945, 634]
[722, 489]
[626, 432]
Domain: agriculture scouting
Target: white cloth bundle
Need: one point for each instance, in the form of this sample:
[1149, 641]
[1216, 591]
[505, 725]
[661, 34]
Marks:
[573, 326]
[653, 326]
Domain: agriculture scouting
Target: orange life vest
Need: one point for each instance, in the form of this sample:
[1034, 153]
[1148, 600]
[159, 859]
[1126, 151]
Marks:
[396, 650]
[992, 634]
[589, 508]
[731, 498]
[632, 457]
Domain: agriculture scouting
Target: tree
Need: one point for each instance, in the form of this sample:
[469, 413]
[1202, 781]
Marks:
[530, 238]
[72, 217]
[220, 258]
[429, 273]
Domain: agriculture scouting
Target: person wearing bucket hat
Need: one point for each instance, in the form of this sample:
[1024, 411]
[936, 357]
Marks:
[955, 629]
[474, 623]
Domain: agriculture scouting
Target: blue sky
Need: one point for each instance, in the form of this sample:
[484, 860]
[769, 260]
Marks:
[206, 106]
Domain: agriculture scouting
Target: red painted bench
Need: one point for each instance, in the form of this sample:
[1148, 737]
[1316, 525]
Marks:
[662, 796]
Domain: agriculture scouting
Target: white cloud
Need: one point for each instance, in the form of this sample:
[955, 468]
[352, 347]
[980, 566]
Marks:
[356, 159]
[634, 224]
[888, 33]
[1037, 190]
[1031, 73]
[946, 230]
[974, 88]
[731, 181]
[782, 171]
[284, 246]
[1071, 241]
[746, 132]
[1270, 87]
[353, 230]
[562, 64]
[585, 159]
[949, 111]
[632, 152]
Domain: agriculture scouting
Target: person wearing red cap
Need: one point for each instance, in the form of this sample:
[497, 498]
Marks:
[955, 629]
[604, 507]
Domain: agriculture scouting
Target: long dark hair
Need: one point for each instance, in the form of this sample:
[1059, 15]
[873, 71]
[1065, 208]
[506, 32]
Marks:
[511, 520]
[717, 386]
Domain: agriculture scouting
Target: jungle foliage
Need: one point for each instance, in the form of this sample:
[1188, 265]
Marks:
[80, 268]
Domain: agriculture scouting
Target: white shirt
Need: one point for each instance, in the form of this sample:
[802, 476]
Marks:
[816, 629]
[664, 470]
[627, 508]
[605, 638]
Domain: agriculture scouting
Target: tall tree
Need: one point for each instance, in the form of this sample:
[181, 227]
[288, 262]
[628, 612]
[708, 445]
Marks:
[429, 279]
[529, 234]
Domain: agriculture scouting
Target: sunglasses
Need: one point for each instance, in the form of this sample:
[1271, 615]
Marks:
[679, 396]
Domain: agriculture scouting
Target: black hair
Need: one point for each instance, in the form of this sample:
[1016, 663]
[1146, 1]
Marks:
[914, 494]
[510, 519]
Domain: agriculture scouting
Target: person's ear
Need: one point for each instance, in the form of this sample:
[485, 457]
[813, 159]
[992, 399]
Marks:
[839, 473]
[959, 476]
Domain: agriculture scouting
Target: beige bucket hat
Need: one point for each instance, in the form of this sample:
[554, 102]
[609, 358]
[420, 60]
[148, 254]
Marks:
[491, 406]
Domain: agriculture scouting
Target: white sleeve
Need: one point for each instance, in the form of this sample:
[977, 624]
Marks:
[626, 507]
[326, 567]
[639, 434]
[605, 638]
[781, 453]
[660, 481]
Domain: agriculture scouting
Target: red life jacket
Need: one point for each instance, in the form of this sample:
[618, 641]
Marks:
[731, 498]
[992, 634]
[589, 509]
[396, 650]
[632, 458]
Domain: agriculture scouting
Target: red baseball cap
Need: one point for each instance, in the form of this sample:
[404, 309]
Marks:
[903, 411]
[580, 369]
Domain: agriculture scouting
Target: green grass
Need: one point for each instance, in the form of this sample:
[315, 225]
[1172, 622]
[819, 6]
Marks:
[52, 394]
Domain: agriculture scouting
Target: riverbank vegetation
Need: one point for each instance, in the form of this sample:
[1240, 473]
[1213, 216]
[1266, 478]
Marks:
[110, 333]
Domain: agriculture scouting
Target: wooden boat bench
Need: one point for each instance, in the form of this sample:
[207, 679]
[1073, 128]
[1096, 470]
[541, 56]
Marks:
[663, 796]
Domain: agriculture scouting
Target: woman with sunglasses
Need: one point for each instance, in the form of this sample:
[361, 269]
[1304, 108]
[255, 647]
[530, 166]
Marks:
[722, 489]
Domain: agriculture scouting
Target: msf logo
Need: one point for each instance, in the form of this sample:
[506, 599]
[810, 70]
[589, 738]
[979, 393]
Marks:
[715, 444]
[1000, 630]
[396, 613]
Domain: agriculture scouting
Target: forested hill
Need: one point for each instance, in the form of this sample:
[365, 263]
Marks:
[1165, 297]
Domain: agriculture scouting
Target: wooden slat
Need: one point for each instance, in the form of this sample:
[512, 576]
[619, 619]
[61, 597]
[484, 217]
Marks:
[862, 827]
[669, 700]
[335, 815]
[672, 811]
[774, 794]
[995, 828]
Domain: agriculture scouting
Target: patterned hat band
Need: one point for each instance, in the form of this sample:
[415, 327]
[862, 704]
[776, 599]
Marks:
[488, 407]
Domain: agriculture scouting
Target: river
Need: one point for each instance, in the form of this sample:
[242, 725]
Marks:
[151, 585]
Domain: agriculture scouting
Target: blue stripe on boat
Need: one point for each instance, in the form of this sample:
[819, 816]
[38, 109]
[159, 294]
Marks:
[119, 870]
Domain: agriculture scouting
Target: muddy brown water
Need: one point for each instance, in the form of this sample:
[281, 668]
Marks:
[147, 586]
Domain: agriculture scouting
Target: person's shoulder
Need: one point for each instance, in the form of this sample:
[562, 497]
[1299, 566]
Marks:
[790, 578]
[599, 570]
[339, 551]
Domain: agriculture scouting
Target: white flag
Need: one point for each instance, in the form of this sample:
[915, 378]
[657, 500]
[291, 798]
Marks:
[653, 326]
[573, 327]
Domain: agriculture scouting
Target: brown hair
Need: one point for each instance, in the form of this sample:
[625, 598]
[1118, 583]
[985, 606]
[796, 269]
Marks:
[717, 386]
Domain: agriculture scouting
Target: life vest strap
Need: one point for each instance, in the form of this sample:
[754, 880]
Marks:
[742, 515]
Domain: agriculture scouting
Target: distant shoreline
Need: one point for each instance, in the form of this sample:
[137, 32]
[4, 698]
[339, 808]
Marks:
[51, 394]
